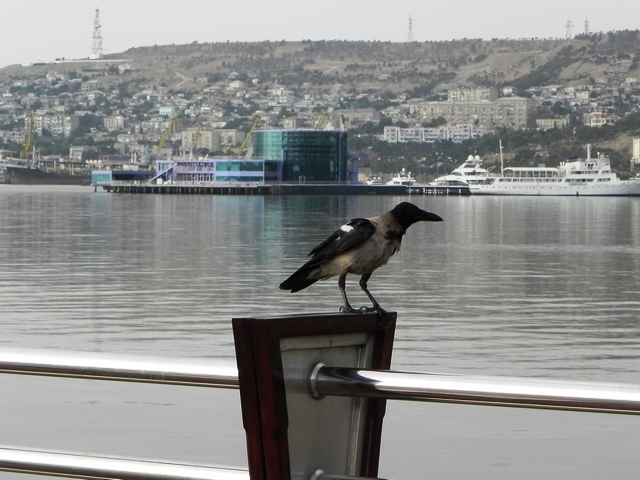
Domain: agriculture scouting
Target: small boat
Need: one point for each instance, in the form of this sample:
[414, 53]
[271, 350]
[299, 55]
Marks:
[576, 177]
[469, 173]
[402, 178]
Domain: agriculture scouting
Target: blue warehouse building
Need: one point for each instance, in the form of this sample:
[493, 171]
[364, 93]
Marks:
[307, 155]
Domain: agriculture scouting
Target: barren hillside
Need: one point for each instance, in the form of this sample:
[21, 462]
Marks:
[363, 67]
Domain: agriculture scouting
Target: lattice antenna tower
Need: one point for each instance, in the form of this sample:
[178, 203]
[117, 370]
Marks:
[410, 36]
[96, 47]
[586, 25]
[567, 34]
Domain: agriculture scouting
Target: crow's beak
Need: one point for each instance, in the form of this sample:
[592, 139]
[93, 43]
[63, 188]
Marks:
[429, 217]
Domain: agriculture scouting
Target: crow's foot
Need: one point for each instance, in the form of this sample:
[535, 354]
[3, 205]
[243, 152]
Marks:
[367, 309]
[349, 309]
[361, 310]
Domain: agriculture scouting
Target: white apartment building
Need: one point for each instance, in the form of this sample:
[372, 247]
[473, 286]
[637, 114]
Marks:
[115, 122]
[56, 124]
[91, 85]
[75, 153]
[212, 140]
[511, 112]
[550, 123]
[457, 134]
[598, 119]
[167, 110]
[358, 116]
[481, 94]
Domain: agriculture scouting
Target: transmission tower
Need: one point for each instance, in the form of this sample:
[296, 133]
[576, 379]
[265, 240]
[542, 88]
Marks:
[567, 35]
[96, 47]
[410, 36]
[586, 26]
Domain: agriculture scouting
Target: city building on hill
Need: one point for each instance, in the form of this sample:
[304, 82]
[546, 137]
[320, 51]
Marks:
[292, 122]
[481, 94]
[457, 134]
[508, 112]
[56, 124]
[354, 118]
[550, 123]
[115, 122]
[75, 153]
[212, 140]
[598, 119]
[167, 110]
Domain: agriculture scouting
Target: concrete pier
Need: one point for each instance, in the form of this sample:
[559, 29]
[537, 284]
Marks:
[284, 189]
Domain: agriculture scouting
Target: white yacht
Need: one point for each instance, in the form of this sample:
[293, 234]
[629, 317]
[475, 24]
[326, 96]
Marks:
[403, 178]
[469, 173]
[588, 177]
[373, 180]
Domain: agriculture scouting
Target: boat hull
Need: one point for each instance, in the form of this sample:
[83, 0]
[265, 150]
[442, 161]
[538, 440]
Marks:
[35, 176]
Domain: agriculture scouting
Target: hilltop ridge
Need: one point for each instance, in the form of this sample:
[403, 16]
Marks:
[366, 67]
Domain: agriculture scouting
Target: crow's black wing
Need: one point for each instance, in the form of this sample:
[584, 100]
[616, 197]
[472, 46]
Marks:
[345, 238]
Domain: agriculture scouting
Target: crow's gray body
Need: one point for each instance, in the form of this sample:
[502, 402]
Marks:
[358, 247]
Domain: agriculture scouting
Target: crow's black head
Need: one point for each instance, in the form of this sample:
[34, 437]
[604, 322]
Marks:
[407, 214]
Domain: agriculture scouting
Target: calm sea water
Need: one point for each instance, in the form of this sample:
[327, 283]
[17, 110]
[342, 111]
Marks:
[517, 286]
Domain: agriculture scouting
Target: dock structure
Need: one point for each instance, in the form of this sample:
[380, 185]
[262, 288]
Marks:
[282, 189]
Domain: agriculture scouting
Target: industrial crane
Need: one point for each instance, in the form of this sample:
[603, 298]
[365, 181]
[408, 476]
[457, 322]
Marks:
[325, 120]
[196, 139]
[27, 147]
[174, 124]
[243, 146]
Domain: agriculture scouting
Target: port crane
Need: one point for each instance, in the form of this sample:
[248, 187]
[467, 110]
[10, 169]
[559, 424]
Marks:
[174, 125]
[325, 120]
[243, 146]
[29, 141]
[196, 138]
[330, 121]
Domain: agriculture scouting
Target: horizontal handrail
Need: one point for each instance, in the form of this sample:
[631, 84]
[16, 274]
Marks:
[100, 366]
[42, 462]
[395, 385]
[323, 381]
[505, 391]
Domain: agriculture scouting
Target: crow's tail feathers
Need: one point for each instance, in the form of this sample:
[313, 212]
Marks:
[298, 281]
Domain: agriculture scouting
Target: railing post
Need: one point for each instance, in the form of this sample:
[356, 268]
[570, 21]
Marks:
[291, 434]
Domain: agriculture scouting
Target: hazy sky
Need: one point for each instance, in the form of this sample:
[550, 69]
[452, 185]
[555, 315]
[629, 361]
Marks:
[41, 30]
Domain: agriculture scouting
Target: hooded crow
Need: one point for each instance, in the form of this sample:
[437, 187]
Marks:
[358, 247]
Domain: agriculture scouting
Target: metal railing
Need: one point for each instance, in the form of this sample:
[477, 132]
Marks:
[322, 381]
[503, 392]
[116, 368]
[99, 366]
[108, 468]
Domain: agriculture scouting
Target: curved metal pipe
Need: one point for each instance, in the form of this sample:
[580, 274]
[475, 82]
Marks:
[320, 475]
[83, 466]
[100, 366]
[511, 392]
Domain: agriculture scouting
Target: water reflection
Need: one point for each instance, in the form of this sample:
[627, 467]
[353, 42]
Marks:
[504, 286]
[549, 283]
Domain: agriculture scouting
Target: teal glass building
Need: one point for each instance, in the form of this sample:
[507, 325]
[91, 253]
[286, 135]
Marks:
[306, 155]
